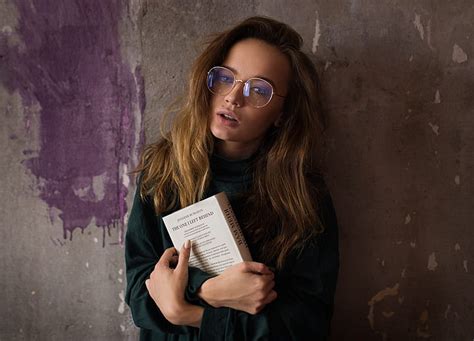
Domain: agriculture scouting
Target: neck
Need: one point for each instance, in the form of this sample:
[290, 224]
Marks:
[236, 150]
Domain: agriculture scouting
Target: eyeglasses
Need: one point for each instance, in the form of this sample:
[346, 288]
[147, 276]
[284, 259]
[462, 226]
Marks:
[257, 91]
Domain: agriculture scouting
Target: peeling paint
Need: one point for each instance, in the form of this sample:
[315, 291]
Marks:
[459, 56]
[437, 99]
[317, 34]
[327, 65]
[125, 177]
[432, 264]
[7, 30]
[377, 298]
[457, 179]
[457, 247]
[54, 215]
[121, 308]
[464, 264]
[448, 309]
[413, 244]
[419, 26]
[434, 127]
[403, 273]
[98, 186]
[388, 314]
[428, 35]
[410, 59]
[401, 299]
[421, 30]
[423, 328]
[407, 219]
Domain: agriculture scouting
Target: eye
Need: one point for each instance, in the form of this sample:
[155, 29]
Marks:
[225, 79]
[259, 88]
[260, 91]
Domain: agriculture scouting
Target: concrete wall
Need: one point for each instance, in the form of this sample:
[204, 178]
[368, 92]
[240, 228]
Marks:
[71, 127]
[397, 86]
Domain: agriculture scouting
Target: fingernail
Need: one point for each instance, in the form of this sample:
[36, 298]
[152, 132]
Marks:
[187, 244]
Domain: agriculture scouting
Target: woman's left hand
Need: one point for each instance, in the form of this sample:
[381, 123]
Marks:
[167, 285]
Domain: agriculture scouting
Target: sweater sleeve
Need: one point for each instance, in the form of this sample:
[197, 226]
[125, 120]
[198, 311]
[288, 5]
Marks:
[304, 306]
[145, 241]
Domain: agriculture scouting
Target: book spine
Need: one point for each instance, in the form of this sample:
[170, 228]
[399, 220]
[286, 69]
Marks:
[235, 229]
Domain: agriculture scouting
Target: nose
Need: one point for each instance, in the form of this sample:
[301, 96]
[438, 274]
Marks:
[235, 96]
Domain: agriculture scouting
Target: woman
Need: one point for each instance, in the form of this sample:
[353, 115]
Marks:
[248, 128]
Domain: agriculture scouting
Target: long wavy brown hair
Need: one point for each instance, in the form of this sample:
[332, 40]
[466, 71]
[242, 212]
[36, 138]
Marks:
[284, 198]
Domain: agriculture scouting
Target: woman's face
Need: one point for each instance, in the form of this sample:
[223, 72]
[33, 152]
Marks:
[250, 58]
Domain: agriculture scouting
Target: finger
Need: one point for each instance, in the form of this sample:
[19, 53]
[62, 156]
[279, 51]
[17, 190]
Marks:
[270, 297]
[256, 267]
[167, 256]
[269, 286]
[174, 261]
[269, 276]
[184, 255]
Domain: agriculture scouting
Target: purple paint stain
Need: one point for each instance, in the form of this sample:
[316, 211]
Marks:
[71, 66]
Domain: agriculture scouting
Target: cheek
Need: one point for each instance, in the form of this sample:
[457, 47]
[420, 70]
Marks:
[259, 122]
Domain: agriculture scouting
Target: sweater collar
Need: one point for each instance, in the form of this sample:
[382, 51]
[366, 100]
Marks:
[232, 170]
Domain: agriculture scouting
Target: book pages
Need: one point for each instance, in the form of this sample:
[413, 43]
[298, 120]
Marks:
[217, 241]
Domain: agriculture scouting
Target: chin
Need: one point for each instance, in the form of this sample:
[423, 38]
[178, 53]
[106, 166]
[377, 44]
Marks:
[222, 135]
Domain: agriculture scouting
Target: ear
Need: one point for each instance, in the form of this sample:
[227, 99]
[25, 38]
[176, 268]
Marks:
[278, 121]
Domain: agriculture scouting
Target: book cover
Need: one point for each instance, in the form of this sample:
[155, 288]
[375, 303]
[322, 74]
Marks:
[211, 225]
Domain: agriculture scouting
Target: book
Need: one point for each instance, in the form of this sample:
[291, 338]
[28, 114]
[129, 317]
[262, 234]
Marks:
[211, 225]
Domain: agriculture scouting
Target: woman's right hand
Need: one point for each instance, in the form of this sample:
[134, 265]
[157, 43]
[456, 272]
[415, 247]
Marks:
[246, 286]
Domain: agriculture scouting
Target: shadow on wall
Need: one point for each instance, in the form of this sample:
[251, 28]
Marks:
[397, 87]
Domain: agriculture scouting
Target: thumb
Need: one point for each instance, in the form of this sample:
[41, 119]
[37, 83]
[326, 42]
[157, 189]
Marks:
[184, 255]
[147, 284]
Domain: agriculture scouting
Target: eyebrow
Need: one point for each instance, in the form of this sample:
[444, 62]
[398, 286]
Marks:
[257, 76]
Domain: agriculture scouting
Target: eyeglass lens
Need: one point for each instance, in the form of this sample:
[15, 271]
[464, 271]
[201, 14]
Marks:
[257, 92]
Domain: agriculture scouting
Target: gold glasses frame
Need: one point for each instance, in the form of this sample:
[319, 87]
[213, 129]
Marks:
[243, 88]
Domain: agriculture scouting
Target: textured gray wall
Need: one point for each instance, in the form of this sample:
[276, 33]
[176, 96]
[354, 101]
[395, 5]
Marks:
[397, 82]
[71, 106]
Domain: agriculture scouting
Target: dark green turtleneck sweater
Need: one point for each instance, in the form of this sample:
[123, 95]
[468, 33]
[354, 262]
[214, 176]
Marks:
[305, 286]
